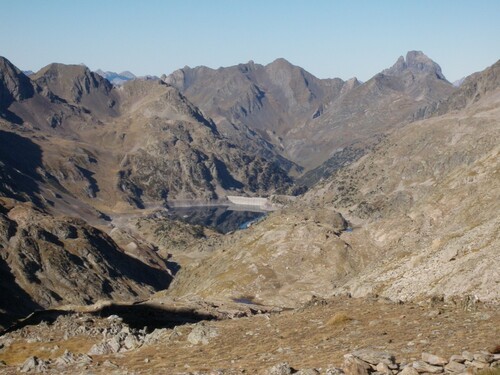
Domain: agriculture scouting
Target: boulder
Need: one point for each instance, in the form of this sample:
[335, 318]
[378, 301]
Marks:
[202, 333]
[408, 370]
[33, 364]
[468, 356]
[455, 367]
[422, 366]
[383, 368]
[457, 358]
[483, 357]
[309, 371]
[280, 369]
[374, 357]
[131, 342]
[355, 366]
[69, 358]
[100, 349]
[334, 371]
[433, 359]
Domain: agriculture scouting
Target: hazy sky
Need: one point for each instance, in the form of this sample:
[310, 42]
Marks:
[326, 37]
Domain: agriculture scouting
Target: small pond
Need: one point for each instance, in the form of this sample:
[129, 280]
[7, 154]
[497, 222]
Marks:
[222, 218]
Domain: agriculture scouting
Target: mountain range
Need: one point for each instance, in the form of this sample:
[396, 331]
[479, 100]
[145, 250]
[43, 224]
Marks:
[116, 78]
[305, 119]
[401, 172]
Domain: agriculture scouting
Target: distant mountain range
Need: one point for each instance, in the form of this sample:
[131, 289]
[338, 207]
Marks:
[116, 78]
[119, 79]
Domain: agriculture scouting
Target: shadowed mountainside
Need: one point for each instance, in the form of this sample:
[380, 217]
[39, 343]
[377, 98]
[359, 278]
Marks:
[48, 261]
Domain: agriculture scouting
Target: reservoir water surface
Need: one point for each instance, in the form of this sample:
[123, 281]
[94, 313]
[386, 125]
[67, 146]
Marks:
[222, 218]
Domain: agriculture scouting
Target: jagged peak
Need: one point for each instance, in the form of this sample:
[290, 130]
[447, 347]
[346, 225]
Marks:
[5, 63]
[7, 68]
[14, 84]
[417, 62]
[350, 84]
[353, 81]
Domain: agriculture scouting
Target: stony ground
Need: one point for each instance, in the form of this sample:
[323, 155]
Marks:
[317, 335]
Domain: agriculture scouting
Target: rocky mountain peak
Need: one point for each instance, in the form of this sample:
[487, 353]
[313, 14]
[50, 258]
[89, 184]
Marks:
[248, 67]
[281, 62]
[281, 67]
[58, 70]
[471, 89]
[71, 82]
[14, 84]
[127, 74]
[350, 84]
[416, 62]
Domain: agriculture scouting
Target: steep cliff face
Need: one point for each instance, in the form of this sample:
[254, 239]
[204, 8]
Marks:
[14, 86]
[472, 89]
[183, 156]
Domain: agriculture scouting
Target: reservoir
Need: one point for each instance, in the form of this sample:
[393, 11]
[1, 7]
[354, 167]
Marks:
[223, 218]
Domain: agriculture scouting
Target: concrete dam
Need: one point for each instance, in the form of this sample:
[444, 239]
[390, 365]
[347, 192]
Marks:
[262, 203]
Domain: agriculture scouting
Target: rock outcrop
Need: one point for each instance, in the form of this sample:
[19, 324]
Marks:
[416, 62]
[372, 362]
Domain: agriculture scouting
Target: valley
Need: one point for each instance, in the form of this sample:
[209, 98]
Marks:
[225, 221]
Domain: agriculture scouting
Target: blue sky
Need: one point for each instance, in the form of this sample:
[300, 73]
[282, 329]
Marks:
[328, 38]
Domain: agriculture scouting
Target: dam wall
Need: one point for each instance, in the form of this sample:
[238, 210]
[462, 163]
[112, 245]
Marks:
[249, 201]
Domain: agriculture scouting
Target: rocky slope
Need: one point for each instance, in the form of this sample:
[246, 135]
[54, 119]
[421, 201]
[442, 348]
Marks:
[339, 336]
[48, 261]
[183, 160]
[428, 199]
[281, 261]
[415, 217]
[423, 208]
[14, 85]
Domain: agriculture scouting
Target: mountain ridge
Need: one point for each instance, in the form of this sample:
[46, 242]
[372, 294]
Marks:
[258, 98]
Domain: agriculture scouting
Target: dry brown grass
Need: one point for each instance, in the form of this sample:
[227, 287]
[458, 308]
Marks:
[489, 371]
[19, 351]
[338, 319]
[304, 338]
